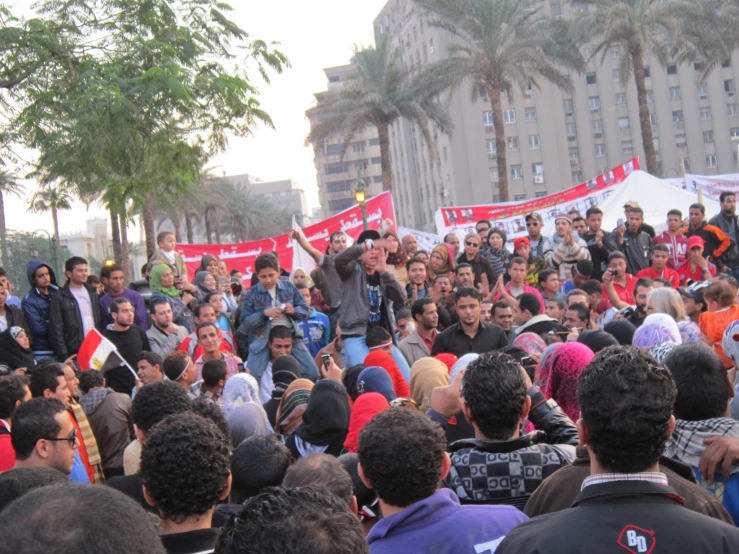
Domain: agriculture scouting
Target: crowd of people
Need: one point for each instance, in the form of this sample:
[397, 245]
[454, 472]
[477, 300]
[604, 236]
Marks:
[555, 394]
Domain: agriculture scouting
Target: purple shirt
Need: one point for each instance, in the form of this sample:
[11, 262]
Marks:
[441, 525]
[136, 300]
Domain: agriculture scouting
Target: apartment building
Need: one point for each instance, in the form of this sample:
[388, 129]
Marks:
[554, 139]
[337, 176]
[286, 194]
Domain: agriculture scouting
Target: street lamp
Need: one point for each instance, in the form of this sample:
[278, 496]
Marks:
[360, 197]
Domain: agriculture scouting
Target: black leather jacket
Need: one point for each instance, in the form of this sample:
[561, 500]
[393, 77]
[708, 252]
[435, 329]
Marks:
[65, 321]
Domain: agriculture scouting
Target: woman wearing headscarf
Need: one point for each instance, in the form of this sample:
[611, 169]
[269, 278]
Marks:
[285, 370]
[567, 362]
[653, 334]
[541, 376]
[349, 379]
[375, 379]
[209, 263]
[396, 258]
[622, 330]
[426, 375]
[447, 359]
[206, 284]
[461, 364]
[667, 321]
[239, 389]
[161, 282]
[325, 421]
[441, 262]
[297, 276]
[15, 351]
[597, 340]
[496, 251]
[531, 343]
[292, 405]
[384, 360]
[248, 420]
[365, 408]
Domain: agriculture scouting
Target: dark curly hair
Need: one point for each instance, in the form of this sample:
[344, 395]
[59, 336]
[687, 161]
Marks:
[204, 407]
[626, 400]
[156, 401]
[185, 465]
[494, 389]
[12, 391]
[257, 463]
[401, 453]
[91, 379]
[700, 378]
[17, 482]
[292, 521]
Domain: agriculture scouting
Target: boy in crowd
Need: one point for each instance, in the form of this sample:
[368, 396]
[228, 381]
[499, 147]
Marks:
[167, 242]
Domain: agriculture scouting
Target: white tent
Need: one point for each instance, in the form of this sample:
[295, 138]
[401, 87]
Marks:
[655, 197]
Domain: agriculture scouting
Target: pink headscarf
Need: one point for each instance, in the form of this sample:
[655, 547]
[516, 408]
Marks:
[566, 363]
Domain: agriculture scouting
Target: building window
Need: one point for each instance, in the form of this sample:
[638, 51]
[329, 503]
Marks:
[374, 142]
[591, 78]
[531, 114]
[574, 156]
[568, 106]
[677, 116]
[615, 52]
[490, 145]
[650, 97]
[621, 100]
[597, 126]
[509, 116]
[516, 172]
[431, 46]
[707, 136]
[571, 129]
[647, 72]
[377, 179]
[627, 150]
[616, 74]
[672, 69]
[674, 93]
[534, 142]
[338, 186]
[600, 150]
[333, 150]
[376, 161]
[729, 86]
[711, 161]
[332, 169]
[623, 122]
[576, 177]
[705, 114]
[340, 204]
[594, 102]
[487, 118]
[537, 169]
[443, 150]
[702, 89]
[735, 156]
[653, 119]
[493, 173]
[681, 141]
[334, 79]
[734, 132]
[519, 197]
[358, 147]
[512, 144]
[699, 66]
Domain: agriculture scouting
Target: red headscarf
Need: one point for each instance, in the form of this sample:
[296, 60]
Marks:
[382, 359]
[447, 359]
[367, 406]
[566, 363]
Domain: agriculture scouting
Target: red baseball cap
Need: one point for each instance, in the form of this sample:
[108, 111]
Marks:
[521, 241]
[695, 241]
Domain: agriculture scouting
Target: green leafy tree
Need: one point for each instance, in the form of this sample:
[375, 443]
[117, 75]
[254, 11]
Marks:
[638, 27]
[51, 198]
[379, 92]
[9, 185]
[497, 44]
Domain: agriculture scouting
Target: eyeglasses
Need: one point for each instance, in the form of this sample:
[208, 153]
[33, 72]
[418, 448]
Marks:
[71, 439]
[532, 223]
[473, 244]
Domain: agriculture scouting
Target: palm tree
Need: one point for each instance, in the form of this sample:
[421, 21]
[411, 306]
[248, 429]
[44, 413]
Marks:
[496, 43]
[51, 198]
[378, 93]
[8, 185]
[639, 27]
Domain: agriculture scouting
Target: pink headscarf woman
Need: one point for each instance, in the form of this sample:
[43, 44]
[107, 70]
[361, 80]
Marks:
[565, 363]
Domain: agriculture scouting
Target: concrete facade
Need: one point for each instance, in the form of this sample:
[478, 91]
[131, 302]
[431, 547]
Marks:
[286, 194]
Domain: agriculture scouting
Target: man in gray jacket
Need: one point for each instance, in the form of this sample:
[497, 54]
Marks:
[419, 343]
[636, 244]
[367, 292]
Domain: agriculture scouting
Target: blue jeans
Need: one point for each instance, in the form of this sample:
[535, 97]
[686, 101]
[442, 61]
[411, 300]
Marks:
[257, 362]
[735, 273]
[356, 351]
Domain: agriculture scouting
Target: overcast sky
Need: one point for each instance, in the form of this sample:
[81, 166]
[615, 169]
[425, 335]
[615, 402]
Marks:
[314, 35]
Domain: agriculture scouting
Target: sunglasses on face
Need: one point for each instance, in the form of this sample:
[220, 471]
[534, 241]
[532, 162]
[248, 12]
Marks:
[532, 224]
[473, 244]
[71, 439]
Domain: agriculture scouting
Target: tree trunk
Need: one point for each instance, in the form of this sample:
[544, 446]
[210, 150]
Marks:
[188, 229]
[647, 138]
[125, 261]
[217, 229]
[116, 232]
[387, 174]
[208, 229]
[3, 231]
[55, 219]
[149, 229]
[500, 144]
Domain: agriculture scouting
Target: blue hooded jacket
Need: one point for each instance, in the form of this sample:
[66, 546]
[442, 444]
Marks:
[36, 307]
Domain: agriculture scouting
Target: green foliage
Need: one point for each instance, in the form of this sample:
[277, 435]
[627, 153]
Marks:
[24, 247]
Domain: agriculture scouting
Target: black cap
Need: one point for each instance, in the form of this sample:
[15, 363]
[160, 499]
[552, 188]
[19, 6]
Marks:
[369, 234]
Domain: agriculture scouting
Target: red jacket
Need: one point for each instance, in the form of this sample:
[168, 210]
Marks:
[7, 452]
[669, 274]
[678, 248]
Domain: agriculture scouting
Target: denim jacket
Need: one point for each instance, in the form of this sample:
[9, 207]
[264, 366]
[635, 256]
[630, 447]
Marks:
[256, 325]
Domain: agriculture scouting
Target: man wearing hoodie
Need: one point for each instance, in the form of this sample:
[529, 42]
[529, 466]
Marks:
[418, 515]
[702, 411]
[109, 414]
[37, 304]
[496, 396]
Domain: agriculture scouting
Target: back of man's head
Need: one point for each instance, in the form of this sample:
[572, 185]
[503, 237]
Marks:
[80, 519]
[185, 466]
[257, 463]
[17, 482]
[45, 377]
[293, 521]
[377, 336]
[90, 380]
[32, 421]
[424, 444]
[530, 302]
[494, 390]
[320, 471]
[701, 381]
[213, 372]
[12, 391]
[156, 401]
[365, 496]
[626, 401]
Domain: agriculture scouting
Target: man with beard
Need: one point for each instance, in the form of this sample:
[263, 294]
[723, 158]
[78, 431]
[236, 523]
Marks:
[642, 288]
[130, 340]
[726, 220]
[421, 341]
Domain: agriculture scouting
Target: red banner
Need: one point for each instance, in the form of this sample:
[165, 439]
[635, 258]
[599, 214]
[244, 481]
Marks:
[465, 215]
[241, 256]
